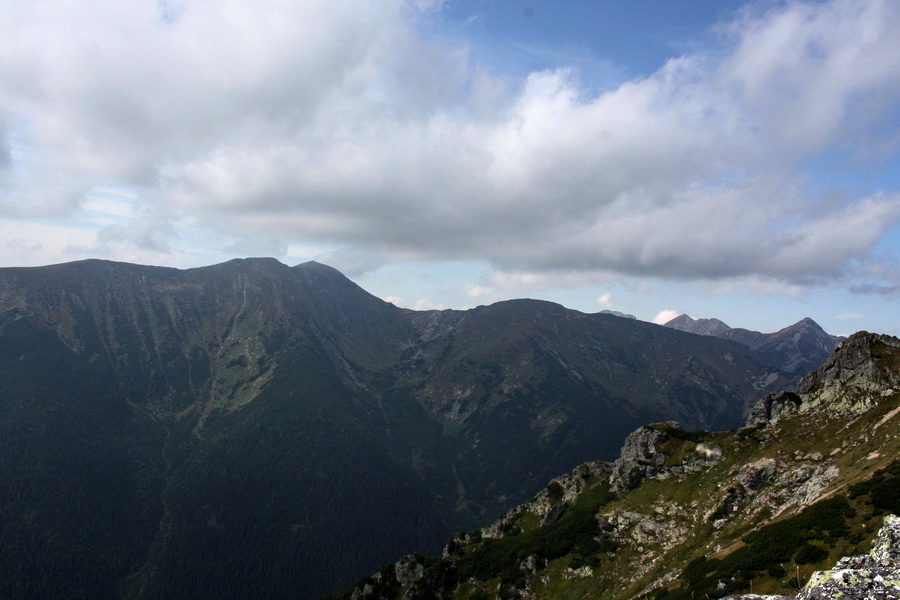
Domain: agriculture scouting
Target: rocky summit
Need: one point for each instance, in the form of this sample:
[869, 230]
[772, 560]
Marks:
[787, 506]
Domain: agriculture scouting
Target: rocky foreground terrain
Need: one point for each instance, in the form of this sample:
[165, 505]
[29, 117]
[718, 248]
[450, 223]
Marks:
[763, 509]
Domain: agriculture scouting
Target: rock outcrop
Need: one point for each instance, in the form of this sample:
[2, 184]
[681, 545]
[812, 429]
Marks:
[854, 366]
[771, 407]
[639, 459]
[550, 503]
[647, 453]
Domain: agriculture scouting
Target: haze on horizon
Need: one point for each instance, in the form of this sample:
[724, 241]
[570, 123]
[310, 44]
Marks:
[736, 160]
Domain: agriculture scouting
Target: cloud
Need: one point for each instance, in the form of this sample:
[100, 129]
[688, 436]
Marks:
[336, 123]
[605, 300]
[5, 152]
[666, 315]
[876, 289]
[497, 283]
[34, 244]
[144, 233]
[759, 286]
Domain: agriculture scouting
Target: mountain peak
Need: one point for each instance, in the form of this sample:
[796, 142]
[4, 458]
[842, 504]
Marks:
[255, 263]
[805, 323]
[314, 265]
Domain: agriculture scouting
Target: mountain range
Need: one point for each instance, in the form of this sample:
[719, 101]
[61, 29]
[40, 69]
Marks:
[251, 429]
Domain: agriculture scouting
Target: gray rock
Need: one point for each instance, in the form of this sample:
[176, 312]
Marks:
[771, 407]
[756, 474]
[852, 361]
[756, 597]
[639, 459]
[554, 514]
[408, 569]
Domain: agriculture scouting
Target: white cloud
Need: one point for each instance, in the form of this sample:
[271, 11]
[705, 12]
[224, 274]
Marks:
[333, 123]
[475, 291]
[666, 315]
[605, 300]
[351, 262]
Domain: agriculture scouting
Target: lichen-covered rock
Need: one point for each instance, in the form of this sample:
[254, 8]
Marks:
[886, 547]
[554, 514]
[851, 381]
[756, 597]
[643, 456]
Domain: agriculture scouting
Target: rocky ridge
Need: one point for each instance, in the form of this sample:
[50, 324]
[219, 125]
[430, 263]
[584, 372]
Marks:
[849, 383]
[697, 514]
[645, 455]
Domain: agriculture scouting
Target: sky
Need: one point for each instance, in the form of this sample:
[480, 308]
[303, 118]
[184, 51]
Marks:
[720, 158]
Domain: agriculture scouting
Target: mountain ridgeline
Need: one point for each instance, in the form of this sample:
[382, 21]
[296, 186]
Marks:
[796, 349]
[256, 430]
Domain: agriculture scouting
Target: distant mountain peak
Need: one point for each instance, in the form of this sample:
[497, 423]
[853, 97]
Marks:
[315, 265]
[804, 323]
[795, 349]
